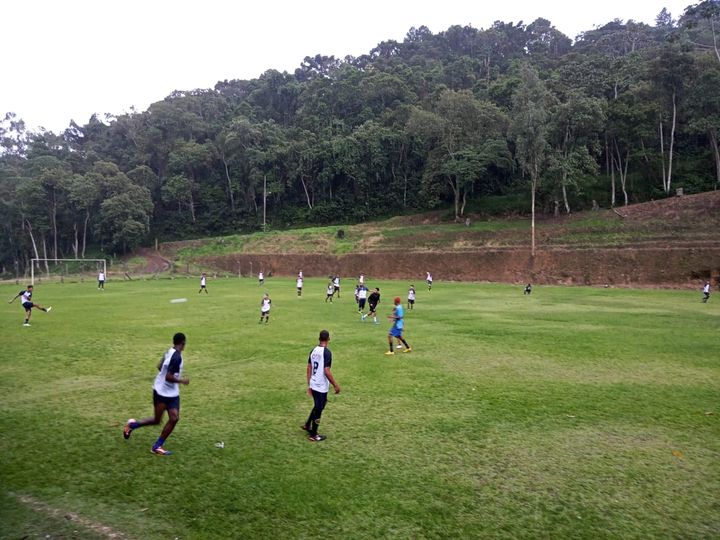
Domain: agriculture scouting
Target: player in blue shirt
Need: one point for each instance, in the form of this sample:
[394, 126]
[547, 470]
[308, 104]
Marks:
[27, 303]
[166, 395]
[396, 331]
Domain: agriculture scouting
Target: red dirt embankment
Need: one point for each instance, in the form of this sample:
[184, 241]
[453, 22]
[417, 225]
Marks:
[620, 267]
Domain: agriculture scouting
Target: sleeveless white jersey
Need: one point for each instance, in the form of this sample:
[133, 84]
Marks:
[265, 305]
[161, 386]
[320, 358]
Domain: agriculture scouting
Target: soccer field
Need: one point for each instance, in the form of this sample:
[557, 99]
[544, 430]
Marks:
[575, 412]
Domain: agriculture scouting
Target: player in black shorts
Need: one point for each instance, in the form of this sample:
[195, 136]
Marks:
[28, 304]
[528, 289]
[373, 301]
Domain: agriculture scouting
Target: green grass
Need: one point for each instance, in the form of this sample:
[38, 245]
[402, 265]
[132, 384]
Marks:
[551, 416]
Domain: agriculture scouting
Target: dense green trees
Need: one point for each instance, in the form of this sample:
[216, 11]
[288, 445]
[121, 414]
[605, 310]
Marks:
[624, 113]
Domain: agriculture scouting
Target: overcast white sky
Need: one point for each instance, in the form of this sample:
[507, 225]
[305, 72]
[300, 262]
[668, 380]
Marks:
[66, 59]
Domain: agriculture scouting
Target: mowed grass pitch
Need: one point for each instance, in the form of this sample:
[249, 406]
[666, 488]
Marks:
[575, 412]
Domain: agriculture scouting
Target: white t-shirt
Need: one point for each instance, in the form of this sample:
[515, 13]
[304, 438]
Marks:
[202, 281]
[362, 293]
[265, 305]
[336, 281]
[260, 276]
[411, 294]
[300, 275]
[429, 276]
[299, 283]
[319, 359]
[172, 363]
[330, 289]
[706, 288]
[362, 279]
[101, 276]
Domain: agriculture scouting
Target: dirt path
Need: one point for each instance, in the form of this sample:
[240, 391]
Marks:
[155, 263]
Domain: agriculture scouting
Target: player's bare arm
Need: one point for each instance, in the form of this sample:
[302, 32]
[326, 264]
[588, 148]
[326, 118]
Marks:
[173, 379]
[330, 378]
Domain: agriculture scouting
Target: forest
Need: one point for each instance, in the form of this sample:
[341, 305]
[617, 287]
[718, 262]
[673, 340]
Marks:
[512, 119]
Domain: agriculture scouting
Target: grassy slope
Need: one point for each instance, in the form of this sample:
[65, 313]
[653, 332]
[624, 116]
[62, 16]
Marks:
[550, 416]
[669, 222]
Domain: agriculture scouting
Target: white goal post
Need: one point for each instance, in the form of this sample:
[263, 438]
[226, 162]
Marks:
[33, 262]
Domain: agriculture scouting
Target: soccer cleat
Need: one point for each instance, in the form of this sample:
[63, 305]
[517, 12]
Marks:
[160, 451]
[316, 438]
[389, 353]
[127, 431]
[409, 349]
[48, 309]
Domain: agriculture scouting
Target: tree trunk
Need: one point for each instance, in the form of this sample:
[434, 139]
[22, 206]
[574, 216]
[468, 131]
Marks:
[612, 182]
[456, 198]
[405, 191]
[229, 183]
[54, 223]
[307, 195]
[464, 202]
[622, 169]
[192, 207]
[533, 182]
[87, 218]
[672, 144]
[716, 151]
[662, 158]
[76, 242]
[564, 193]
[47, 267]
[715, 44]
[32, 239]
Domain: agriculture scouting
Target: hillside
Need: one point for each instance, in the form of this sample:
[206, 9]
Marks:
[669, 242]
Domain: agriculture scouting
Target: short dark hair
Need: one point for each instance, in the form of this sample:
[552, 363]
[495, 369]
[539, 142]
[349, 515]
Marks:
[178, 338]
[324, 335]
[29, 286]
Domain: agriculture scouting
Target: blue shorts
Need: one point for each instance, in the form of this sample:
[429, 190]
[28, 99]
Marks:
[28, 306]
[396, 332]
[169, 402]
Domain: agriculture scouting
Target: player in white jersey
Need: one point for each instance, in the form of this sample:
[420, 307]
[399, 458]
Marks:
[319, 379]
[265, 304]
[101, 280]
[706, 292]
[300, 275]
[336, 285]
[299, 285]
[28, 304]
[428, 279]
[330, 292]
[362, 299]
[166, 395]
[528, 289]
[261, 278]
[361, 279]
[203, 284]
[411, 297]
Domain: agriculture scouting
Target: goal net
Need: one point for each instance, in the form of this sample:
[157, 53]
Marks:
[66, 268]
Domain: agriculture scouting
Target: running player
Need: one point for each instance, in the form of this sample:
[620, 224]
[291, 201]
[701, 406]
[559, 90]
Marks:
[336, 286]
[396, 331]
[166, 395]
[411, 297]
[330, 292]
[319, 379]
[373, 301]
[261, 278]
[265, 309]
[203, 284]
[361, 279]
[101, 280]
[428, 278]
[362, 298]
[528, 289]
[27, 303]
[300, 274]
[357, 290]
[299, 284]
[706, 292]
